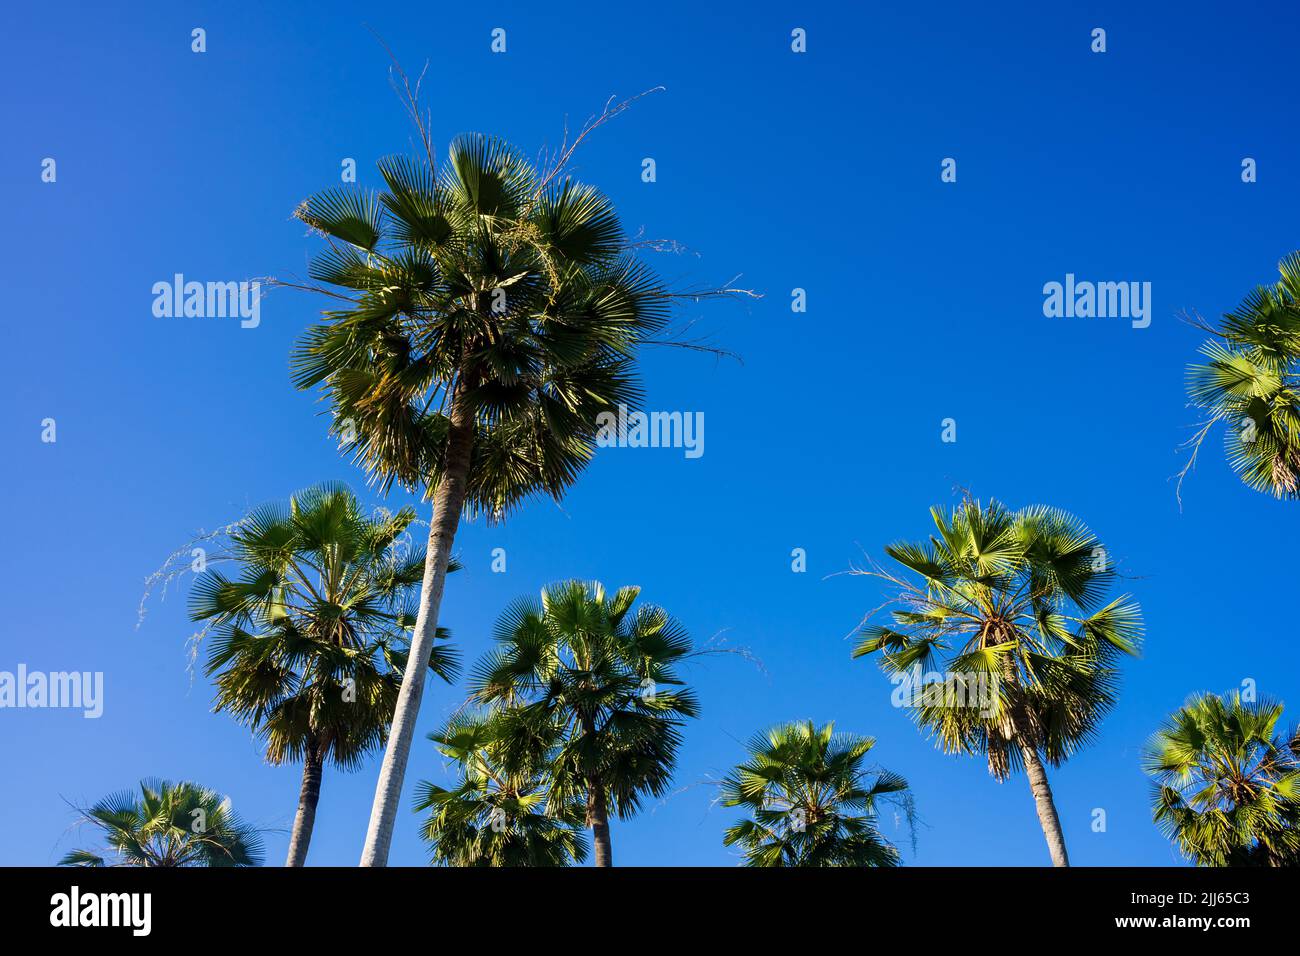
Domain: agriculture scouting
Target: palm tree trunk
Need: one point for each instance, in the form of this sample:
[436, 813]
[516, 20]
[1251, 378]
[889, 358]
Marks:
[312, 765]
[1042, 791]
[448, 499]
[598, 820]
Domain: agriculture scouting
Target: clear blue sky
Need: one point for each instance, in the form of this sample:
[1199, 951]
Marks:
[818, 171]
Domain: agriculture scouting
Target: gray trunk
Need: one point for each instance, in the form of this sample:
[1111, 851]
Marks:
[448, 499]
[1042, 791]
[308, 797]
[598, 820]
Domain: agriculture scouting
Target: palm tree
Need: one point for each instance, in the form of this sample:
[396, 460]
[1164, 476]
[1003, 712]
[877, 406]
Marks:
[813, 802]
[489, 314]
[1251, 382]
[589, 688]
[1227, 788]
[498, 814]
[1009, 610]
[168, 824]
[312, 634]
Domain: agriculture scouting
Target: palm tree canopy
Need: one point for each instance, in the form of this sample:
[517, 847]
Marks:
[310, 638]
[591, 690]
[488, 283]
[812, 801]
[168, 824]
[1227, 786]
[1250, 380]
[1012, 609]
[498, 815]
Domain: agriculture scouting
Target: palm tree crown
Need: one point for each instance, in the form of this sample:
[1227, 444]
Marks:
[310, 639]
[593, 695]
[168, 824]
[1250, 381]
[812, 801]
[486, 287]
[1016, 597]
[498, 815]
[311, 636]
[1227, 787]
[1011, 612]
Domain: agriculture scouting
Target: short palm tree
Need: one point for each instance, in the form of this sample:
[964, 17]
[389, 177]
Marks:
[168, 824]
[1011, 610]
[311, 635]
[1250, 381]
[499, 814]
[488, 315]
[1227, 786]
[593, 698]
[812, 800]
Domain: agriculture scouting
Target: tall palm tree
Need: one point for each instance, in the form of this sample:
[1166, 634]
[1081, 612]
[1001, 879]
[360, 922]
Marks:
[1227, 787]
[312, 634]
[168, 824]
[489, 313]
[1251, 383]
[1009, 611]
[593, 697]
[498, 815]
[813, 802]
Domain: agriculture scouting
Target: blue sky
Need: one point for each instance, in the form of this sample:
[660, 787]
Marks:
[818, 171]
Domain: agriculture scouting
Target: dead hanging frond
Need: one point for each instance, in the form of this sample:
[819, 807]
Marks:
[906, 593]
[176, 565]
[179, 562]
[639, 243]
[410, 98]
[966, 495]
[294, 282]
[553, 164]
[728, 290]
[1193, 318]
[1194, 444]
[717, 644]
[715, 784]
[680, 337]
